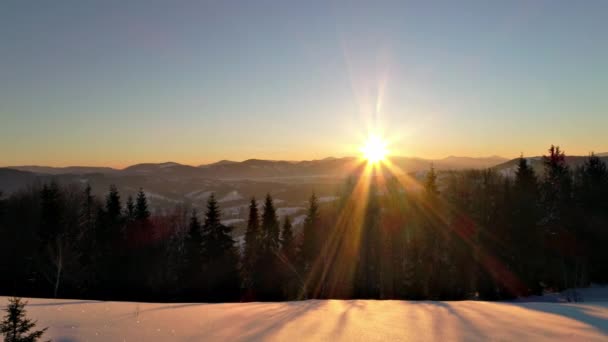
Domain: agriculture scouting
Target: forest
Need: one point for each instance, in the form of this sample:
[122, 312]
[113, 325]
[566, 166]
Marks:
[475, 234]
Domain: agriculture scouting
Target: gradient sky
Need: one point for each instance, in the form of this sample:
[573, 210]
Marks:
[121, 82]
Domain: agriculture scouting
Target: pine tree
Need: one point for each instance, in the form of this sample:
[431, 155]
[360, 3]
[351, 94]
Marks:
[51, 212]
[432, 243]
[558, 219]
[112, 269]
[87, 214]
[287, 247]
[525, 247]
[592, 195]
[252, 234]
[268, 265]
[252, 249]
[87, 245]
[54, 234]
[557, 187]
[270, 226]
[16, 327]
[219, 256]
[310, 244]
[191, 273]
[113, 209]
[430, 183]
[130, 209]
[288, 272]
[141, 207]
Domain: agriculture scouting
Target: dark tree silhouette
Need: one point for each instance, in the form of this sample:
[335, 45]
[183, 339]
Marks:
[220, 259]
[15, 326]
[311, 239]
[141, 207]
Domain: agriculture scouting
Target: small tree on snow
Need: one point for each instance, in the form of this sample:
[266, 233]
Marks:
[15, 326]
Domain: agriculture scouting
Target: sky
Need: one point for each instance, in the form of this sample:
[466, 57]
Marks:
[115, 83]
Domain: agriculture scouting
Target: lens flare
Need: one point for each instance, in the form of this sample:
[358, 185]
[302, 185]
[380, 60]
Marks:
[374, 149]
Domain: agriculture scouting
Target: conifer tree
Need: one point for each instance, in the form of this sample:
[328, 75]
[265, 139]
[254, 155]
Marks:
[141, 207]
[430, 183]
[87, 245]
[219, 256]
[88, 211]
[432, 246]
[130, 209]
[558, 219]
[270, 226]
[592, 195]
[287, 247]
[287, 267]
[16, 327]
[113, 212]
[252, 248]
[51, 212]
[112, 268]
[252, 234]
[191, 273]
[525, 248]
[268, 264]
[310, 243]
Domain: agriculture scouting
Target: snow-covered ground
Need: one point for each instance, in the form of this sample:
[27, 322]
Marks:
[320, 320]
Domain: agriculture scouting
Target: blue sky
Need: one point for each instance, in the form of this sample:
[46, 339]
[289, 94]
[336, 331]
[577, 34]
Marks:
[119, 82]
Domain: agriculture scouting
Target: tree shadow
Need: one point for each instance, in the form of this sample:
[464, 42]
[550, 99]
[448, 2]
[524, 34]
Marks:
[74, 302]
[594, 315]
[269, 319]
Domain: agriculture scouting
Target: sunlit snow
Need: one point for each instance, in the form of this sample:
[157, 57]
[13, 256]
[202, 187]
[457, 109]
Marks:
[320, 320]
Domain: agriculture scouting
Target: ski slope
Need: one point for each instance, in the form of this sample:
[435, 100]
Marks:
[320, 320]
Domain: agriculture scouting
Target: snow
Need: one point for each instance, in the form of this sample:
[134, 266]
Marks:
[230, 222]
[326, 199]
[231, 196]
[199, 194]
[288, 210]
[152, 196]
[320, 320]
[233, 211]
[298, 220]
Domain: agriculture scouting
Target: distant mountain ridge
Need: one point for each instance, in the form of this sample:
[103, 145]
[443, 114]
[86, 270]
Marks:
[508, 168]
[260, 168]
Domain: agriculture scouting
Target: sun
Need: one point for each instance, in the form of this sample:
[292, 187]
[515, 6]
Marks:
[374, 149]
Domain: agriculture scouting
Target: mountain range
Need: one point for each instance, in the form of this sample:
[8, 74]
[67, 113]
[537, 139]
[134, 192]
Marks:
[291, 183]
[258, 168]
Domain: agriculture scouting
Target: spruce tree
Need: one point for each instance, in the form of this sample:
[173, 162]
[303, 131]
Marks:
[558, 220]
[270, 226]
[310, 243]
[191, 273]
[219, 256]
[113, 208]
[130, 209]
[112, 268]
[252, 248]
[592, 197]
[288, 272]
[525, 247]
[287, 247]
[51, 212]
[141, 207]
[252, 234]
[87, 246]
[15, 326]
[430, 183]
[268, 263]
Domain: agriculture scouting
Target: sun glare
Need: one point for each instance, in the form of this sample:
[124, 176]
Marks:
[374, 149]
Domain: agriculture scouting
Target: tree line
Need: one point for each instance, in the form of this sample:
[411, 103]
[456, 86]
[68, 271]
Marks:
[455, 235]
